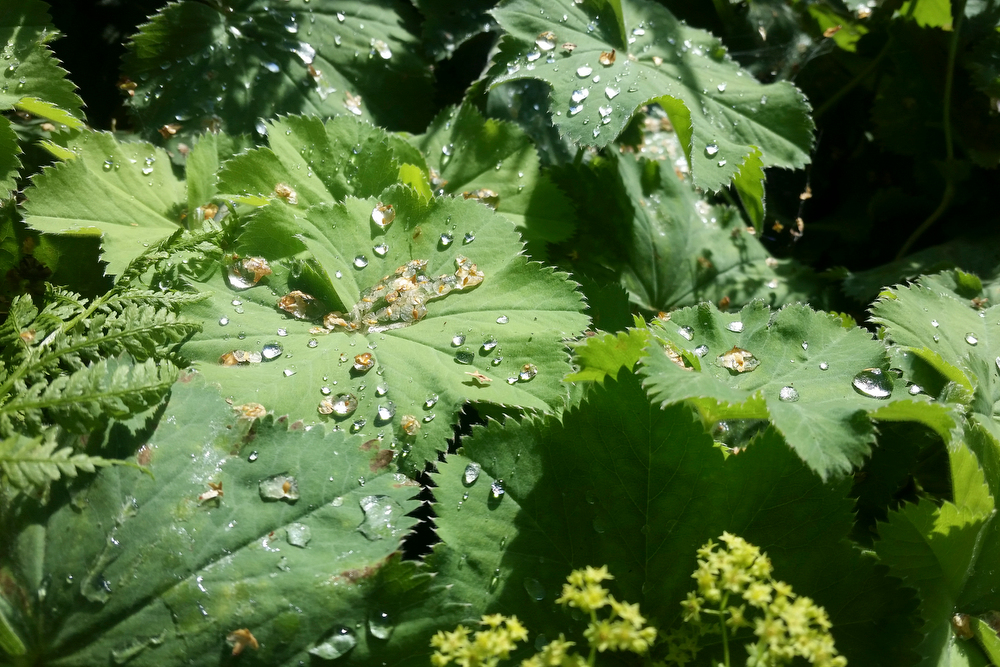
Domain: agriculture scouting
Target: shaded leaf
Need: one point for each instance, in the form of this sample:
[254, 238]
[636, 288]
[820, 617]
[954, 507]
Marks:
[232, 68]
[447, 25]
[470, 153]
[32, 463]
[603, 355]
[720, 111]
[9, 162]
[804, 382]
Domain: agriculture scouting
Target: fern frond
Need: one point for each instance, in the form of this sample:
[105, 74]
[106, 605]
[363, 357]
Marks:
[33, 463]
[156, 299]
[81, 401]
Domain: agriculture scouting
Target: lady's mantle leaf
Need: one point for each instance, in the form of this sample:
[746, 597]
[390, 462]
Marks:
[281, 533]
[30, 74]
[230, 67]
[495, 162]
[622, 483]
[125, 193]
[633, 52]
[472, 345]
[804, 383]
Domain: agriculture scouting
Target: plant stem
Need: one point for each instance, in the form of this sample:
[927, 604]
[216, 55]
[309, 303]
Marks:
[949, 146]
[722, 628]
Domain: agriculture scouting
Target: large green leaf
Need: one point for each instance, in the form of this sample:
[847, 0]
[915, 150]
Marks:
[471, 153]
[935, 549]
[124, 193]
[30, 73]
[319, 161]
[9, 162]
[447, 24]
[233, 66]
[520, 314]
[721, 111]
[140, 570]
[622, 483]
[807, 382]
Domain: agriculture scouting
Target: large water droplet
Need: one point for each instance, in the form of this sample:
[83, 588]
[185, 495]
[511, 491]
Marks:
[335, 645]
[579, 95]
[584, 71]
[735, 327]
[471, 473]
[701, 350]
[711, 149]
[534, 589]
[464, 356]
[497, 490]
[431, 401]
[279, 487]
[298, 534]
[915, 389]
[386, 412]
[873, 382]
[458, 340]
[380, 511]
[503, 319]
[823, 366]
[489, 344]
[971, 339]
[446, 240]
[686, 332]
[360, 261]
[788, 394]
[380, 625]
[271, 351]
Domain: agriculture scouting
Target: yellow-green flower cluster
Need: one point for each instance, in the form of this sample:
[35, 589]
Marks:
[624, 630]
[484, 649]
[786, 625]
[556, 654]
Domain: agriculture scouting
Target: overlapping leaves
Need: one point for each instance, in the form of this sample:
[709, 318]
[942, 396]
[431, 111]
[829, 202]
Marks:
[626, 53]
[235, 66]
[160, 571]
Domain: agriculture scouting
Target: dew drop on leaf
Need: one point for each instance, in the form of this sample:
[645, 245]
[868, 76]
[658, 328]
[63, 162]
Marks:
[271, 351]
[381, 249]
[386, 412]
[584, 71]
[873, 382]
[579, 95]
[788, 394]
[686, 332]
[823, 366]
[340, 642]
[298, 534]
[489, 344]
[360, 261]
[288, 372]
[502, 319]
[431, 401]
[496, 489]
[223, 321]
[380, 513]
[735, 327]
[279, 487]
[446, 240]
[611, 93]
[468, 238]
[471, 473]
[464, 356]
[380, 625]
[458, 340]
[534, 589]
[934, 323]
[711, 149]
[971, 339]
[915, 389]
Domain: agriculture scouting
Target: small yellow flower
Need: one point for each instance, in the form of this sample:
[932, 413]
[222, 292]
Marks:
[493, 620]
[758, 594]
[596, 575]
[627, 612]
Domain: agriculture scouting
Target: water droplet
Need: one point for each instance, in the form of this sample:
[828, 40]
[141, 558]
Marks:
[386, 412]
[271, 351]
[604, 111]
[495, 580]
[823, 366]
[788, 394]
[279, 487]
[360, 261]
[282, 332]
[934, 323]
[312, 342]
[341, 641]
[298, 534]
[611, 93]
[489, 344]
[534, 589]
[223, 321]
[722, 163]
[502, 319]
[971, 339]
[469, 238]
[471, 473]
[580, 95]
[735, 327]
[458, 340]
[721, 87]
[326, 391]
[252, 457]
[380, 515]
[584, 71]
[496, 361]
[915, 389]
[343, 406]
[380, 625]
[446, 240]
[496, 489]
[272, 67]
[108, 165]
[464, 356]
[805, 345]
[288, 372]
[574, 110]
[711, 149]
[381, 249]
[431, 401]
[701, 350]
[686, 332]
[873, 382]
[381, 390]
[383, 215]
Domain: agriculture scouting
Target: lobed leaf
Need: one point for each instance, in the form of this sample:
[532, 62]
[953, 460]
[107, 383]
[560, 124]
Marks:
[520, 314]
[719, 110]
[154, 575]
[805, 381]
[32, 463]
[233, 67]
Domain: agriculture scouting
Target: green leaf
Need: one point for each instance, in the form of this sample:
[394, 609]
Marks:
[470, 153]
[601, 356]
[148, 573]
[9, 641]
[671, 247]
[202, 167]
[749, 184]
[125, 193]
[32, 463]
[846, 32]
[721, 111]
[622, 483]
[319, 161]
[32, 76]
[425, 370]
[49, 111]
[447, 25]
[928, 13]
[934, 549]
[804, 382]
[233, 67]
[9, 162]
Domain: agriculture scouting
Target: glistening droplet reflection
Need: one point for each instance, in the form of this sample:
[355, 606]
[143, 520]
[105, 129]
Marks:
[873, 382]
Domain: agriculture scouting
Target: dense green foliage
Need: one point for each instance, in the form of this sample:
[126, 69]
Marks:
[362, 320]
